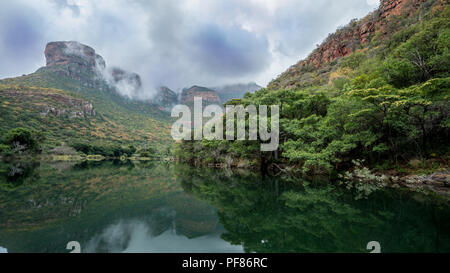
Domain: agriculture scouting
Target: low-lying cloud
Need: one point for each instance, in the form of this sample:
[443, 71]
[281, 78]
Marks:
[175, 43]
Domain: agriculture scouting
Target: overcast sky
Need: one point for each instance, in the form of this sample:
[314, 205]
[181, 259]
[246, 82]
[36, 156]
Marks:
[176, 43]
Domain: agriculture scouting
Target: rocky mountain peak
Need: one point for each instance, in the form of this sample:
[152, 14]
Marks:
[71, 52]
[208, 96]
[165, 98]
[81, 63]
[130, 78]
[235, 91]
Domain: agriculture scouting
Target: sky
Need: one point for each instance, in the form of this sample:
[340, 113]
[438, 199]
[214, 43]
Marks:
[176, 43]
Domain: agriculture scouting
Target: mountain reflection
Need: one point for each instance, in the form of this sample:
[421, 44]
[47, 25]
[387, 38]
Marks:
[158, 207]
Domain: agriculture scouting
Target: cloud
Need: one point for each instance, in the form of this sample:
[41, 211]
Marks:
[21, 37]
[229, 51]
[74, 49]
[134, 236]
[175, 43]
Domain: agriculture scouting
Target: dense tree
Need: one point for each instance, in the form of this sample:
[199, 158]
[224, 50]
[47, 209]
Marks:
[22, 140]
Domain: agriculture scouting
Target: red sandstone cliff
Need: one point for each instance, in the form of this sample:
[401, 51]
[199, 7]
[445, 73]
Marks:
[344, 41]
[64, 53]
[347, 39]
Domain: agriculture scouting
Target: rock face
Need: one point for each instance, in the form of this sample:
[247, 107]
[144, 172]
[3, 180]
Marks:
[235, 91]
[73, 108]
[64, 53]
[209, 96]
[81, 63]
[347, 39]
[48, 102]
[76, 61]
[165, 98]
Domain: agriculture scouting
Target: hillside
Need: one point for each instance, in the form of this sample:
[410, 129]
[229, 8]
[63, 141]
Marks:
[372, 36]
[166, 98]
[70, 100]
[373, 97]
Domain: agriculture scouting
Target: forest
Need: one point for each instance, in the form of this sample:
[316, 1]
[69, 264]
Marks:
[385, 106]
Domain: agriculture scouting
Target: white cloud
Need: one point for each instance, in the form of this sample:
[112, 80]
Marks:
[135, 236]
[175, 43]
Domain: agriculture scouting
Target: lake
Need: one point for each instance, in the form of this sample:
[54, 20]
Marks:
[116, 206]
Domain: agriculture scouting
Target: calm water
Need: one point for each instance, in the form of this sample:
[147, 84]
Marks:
[157, 207]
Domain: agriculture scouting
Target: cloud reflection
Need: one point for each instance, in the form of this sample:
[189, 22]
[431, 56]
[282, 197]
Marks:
[134, 236]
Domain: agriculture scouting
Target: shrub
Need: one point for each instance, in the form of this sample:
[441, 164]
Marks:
[106, 150]
[354, 60]
[147, 152]
[5, 149]
[21, 139]
[400, 72]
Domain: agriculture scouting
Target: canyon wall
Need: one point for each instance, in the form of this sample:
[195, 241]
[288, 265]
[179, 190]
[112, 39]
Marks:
[347, 39]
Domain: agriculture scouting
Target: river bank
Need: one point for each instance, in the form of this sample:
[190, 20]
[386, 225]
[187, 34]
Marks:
[426, 179]
[417, 180]
[82, 157]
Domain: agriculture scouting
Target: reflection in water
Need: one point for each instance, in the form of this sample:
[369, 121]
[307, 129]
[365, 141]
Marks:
[3, 250]
[136, 237]
[269, 215]
[17, 172]
[155, 207]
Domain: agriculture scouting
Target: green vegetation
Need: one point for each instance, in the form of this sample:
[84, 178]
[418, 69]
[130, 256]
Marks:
[21, 141]
[59, 108]
[115, 151]
[43, 204]
[424, 55]
[386, 104]
[278, 216]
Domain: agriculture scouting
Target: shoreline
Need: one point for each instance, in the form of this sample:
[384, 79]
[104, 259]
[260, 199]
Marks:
[437, 182]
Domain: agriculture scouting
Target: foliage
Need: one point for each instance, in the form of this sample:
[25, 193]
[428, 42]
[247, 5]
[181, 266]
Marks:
[5, 149]
[24, 100]
[363, 181]
[425, 55]
[147, 152]
[22, 140]
[277, 216]
[111, 150]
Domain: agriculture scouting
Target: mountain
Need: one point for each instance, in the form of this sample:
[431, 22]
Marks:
[208, 96]
[75, 61]
[372, 98]
[76, 97]
[235, 91]
[358, 36]
[165, 98]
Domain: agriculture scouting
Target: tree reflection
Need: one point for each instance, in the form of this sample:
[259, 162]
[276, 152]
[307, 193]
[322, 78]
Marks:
[271, 215]
[14, 174]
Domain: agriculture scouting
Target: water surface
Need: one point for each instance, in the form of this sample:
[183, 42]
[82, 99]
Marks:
[161, 207]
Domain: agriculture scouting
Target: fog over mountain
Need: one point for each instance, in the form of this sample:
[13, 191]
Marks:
[175, 43]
